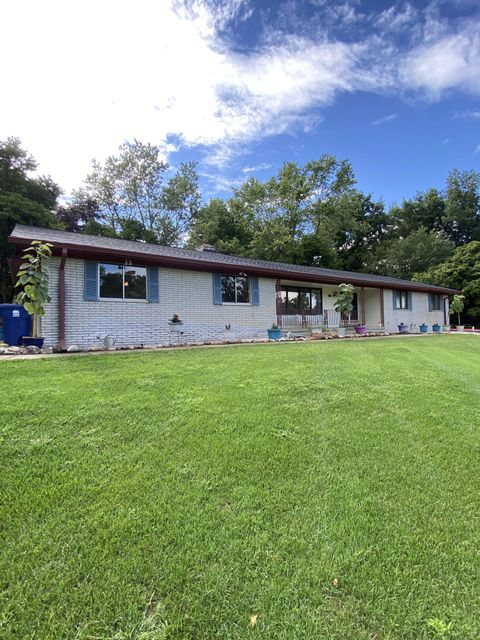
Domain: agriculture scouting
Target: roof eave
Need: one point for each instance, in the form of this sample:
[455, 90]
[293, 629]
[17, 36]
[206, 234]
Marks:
[80, 250]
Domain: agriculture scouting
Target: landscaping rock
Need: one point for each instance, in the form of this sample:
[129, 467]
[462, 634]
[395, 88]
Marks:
[57, 349]
[2, 350]
[73, 348]
[32, 349]
[13, 351]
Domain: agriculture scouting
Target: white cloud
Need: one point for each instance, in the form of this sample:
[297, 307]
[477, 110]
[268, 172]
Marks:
[83, 77]
[383, 119]
[472, 114]
[262, 166]
[450, 62]
[477, 149]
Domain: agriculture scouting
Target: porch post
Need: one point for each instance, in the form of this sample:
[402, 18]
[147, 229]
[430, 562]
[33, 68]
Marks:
[362, 304]
[278, 301]
[382, 309]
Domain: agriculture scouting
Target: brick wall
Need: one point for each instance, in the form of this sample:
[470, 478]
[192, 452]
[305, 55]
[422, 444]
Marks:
[187, 293]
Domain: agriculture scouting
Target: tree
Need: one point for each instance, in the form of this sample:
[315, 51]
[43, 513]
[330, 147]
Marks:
[23, 199]
[460, 271]
[457, 305]
[417, 252]
[461, 220]
[136, 186]
[33, 282]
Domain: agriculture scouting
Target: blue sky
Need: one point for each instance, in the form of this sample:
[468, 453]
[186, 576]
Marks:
[243, 85]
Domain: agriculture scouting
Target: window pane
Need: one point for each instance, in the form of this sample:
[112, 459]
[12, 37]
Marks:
[135, 283]
[292, 301]
[111, 281]
[241, 284]
[228, 289]
[304, 300]
[283, 298]
[354, 314]
[316, 301]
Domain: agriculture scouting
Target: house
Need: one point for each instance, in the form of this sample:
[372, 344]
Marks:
[101, 285]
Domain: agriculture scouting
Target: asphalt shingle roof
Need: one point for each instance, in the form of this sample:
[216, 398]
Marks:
[23, 233]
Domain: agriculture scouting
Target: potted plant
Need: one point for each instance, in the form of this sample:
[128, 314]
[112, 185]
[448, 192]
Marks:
[361, 329]
[344, 305]
[274, 333]
[33, 284]
[403, 328]
[436, 328]
[423, 328]
[175, 323]
[457, 306]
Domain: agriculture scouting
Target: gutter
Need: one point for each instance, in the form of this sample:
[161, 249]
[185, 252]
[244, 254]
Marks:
[97, 253]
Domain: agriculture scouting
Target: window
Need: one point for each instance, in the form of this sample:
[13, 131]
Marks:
[401, 300]
[122, 282]
[435, 302]
[235, 290]
[300, 300]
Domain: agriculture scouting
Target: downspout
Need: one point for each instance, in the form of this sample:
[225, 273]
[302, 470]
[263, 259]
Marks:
[61, 300]
[446, 316]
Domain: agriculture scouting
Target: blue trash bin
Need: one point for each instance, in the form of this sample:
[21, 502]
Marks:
[15, 321]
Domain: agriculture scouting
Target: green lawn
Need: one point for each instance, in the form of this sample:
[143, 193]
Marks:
[331, 489]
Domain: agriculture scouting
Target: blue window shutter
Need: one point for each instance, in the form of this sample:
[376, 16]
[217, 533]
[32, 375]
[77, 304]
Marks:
[90, 280]
[430, 302]
[255, 292]
[409, 300]
[217, 288]
[394, 297]
[152, 282]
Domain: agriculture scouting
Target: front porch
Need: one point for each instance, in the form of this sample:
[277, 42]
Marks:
[308, 306]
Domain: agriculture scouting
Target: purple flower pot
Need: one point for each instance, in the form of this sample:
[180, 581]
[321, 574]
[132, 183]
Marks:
[402, 328]
[361, 329]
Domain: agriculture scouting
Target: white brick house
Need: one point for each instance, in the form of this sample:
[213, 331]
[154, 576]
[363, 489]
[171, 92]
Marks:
[101, 286]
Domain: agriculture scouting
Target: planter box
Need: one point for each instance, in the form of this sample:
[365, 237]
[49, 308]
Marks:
[423, 328]
[28, 341]
[274, 334]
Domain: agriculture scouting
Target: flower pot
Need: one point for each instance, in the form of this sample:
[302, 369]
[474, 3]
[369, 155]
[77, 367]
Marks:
[436, 328]
[423, 328]
[361, 329]
[341, 332]
[274, 334]
[176, 326]
[402, 328]
[445, 328]
[28, 341]
[460, 327]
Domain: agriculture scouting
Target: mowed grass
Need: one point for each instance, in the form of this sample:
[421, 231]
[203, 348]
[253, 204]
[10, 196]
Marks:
[297, 491]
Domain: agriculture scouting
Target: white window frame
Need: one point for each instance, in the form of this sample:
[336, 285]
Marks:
[123, 299]
[236, 304]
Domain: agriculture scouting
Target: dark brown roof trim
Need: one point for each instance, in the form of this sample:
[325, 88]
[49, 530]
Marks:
[141, 258]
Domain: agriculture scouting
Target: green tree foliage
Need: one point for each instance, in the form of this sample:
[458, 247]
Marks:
[136, 187]
[416, 252]
[23, 199]
[460, 271]
[461, 220]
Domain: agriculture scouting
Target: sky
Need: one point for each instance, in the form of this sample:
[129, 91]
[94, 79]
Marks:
[242, 86]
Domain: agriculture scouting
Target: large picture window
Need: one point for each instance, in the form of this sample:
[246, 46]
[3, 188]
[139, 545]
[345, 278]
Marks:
[122, 282]
[235, 290]
[300, 300]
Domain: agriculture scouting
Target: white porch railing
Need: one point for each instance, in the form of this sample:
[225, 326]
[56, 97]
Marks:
[329, 318]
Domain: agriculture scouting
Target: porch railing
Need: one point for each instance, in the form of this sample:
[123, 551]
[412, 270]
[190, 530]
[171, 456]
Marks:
[329, 318]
